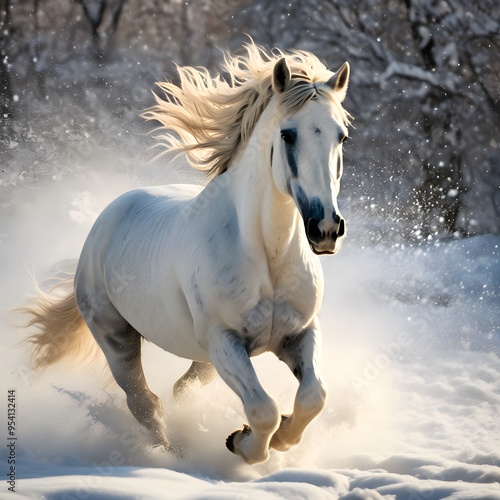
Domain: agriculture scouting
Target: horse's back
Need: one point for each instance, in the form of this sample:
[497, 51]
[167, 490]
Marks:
[134, 218]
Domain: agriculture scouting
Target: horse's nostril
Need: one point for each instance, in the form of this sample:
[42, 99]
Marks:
[341, 229]
[314, 233]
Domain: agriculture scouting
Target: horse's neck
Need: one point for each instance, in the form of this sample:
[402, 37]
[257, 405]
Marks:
[268, 220]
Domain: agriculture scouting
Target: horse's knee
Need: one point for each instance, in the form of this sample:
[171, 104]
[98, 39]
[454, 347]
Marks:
[311, 397]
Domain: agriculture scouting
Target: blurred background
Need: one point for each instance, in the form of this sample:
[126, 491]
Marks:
[423, 160]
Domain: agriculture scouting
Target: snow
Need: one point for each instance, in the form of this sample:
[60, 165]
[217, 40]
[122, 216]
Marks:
[411, 357]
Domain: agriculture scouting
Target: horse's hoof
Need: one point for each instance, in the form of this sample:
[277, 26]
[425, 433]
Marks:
[277, 443]
[230, 442]
[230, 439]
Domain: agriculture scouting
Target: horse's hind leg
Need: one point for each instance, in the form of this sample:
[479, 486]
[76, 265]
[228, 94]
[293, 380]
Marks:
[197, 372]
[126, 366]
[121, 345]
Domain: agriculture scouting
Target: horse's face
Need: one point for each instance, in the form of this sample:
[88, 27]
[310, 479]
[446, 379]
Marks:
[307, 165]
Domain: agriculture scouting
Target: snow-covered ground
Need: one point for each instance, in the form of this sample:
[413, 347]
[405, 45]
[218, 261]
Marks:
[411, 356]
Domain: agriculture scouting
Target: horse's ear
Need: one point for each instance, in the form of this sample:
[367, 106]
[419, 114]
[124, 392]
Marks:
[339, 80]
[281, 75]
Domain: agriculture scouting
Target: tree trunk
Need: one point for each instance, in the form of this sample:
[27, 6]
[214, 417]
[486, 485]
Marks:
[6, 96]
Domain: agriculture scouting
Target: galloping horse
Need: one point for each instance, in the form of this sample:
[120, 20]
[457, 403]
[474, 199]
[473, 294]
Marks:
[225, 272]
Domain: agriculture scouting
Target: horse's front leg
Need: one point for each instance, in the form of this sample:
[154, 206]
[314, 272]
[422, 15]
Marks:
[230, 358]
[301, 352]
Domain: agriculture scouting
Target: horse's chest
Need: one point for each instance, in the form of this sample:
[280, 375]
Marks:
[268, 322]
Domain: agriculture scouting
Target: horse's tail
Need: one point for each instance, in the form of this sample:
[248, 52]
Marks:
[62, 331]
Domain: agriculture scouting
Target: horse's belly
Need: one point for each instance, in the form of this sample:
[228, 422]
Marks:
[178, 341]
[166, 323]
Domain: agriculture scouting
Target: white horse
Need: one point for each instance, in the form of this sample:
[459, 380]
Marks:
[222, 273]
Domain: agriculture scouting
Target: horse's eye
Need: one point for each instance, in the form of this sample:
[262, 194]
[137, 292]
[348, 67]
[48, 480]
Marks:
[343, 138]
[289, 136]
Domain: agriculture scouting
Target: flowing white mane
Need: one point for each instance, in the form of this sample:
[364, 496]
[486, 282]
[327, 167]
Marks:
[208, 118]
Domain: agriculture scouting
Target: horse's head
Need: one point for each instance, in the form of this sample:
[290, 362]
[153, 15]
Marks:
[307, 151]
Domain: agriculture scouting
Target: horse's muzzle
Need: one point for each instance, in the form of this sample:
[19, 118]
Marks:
[324, 237]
